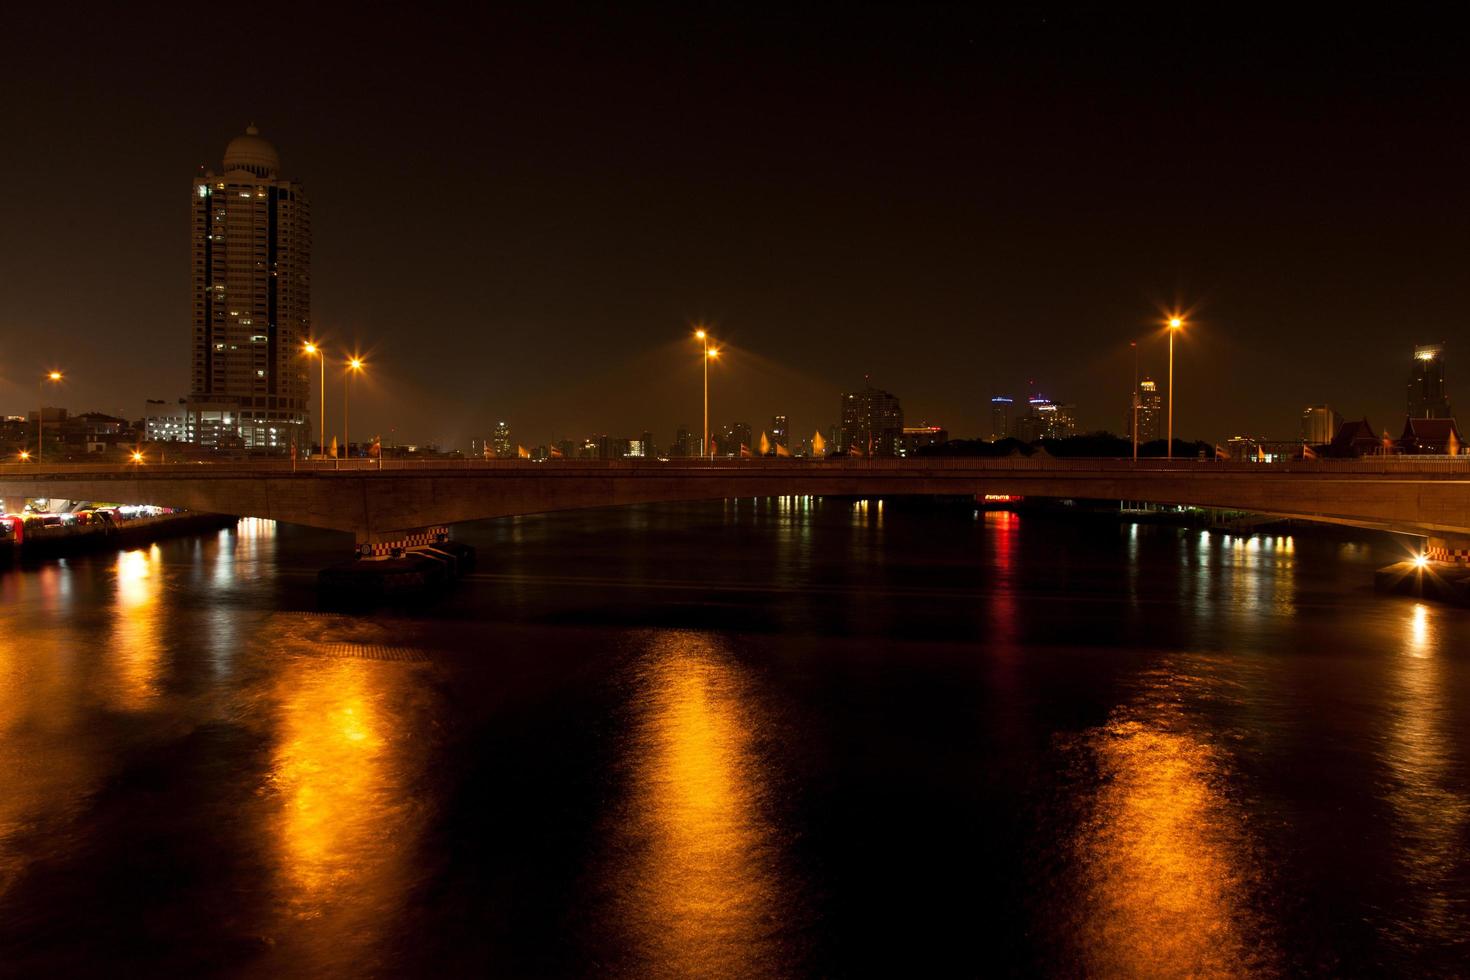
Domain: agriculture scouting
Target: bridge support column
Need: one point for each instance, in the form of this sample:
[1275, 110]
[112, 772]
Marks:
[1454, 550]
[396, 564]
[395, 544]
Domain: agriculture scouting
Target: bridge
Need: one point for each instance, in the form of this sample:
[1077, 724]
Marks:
[381, 502]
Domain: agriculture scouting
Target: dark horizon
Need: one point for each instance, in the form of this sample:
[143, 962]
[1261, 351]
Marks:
[521, 216]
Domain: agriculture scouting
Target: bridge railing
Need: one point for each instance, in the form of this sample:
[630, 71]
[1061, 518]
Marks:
[1382, 465]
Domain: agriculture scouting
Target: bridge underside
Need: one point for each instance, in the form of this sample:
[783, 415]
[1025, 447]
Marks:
[379, 505]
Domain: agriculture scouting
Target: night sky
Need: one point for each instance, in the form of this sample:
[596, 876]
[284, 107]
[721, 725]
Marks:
[520, 214]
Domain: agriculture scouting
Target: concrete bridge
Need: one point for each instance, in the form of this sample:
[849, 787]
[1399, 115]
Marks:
[387, 502]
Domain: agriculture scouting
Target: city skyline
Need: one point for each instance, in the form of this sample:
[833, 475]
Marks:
[587, 262]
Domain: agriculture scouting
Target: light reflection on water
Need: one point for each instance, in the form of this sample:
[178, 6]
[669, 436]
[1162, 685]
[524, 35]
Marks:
[346, 819]
[310, 787]
[1168, 883]
[1421, 755]
[703, 893]
[137, 636]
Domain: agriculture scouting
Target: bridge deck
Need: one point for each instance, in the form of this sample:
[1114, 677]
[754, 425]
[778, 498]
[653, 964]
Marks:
[373, 499]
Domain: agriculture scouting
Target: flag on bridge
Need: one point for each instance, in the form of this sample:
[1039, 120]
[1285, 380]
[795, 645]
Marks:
[856, 450]
[744, 451]
[522, 452]
[556, 453]
[1308, 452]
[782, 450]
[1221, 453]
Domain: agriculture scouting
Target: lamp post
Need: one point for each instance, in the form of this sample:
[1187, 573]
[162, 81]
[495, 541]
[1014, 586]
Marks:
[1175, 325]
[354, 366]
[1134, 345]
[705, 449]
[313, 349]
[55, 378]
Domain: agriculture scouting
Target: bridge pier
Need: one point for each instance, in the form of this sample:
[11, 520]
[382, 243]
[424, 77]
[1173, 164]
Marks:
[1451, 550]
[1441, 572]
[404, 563]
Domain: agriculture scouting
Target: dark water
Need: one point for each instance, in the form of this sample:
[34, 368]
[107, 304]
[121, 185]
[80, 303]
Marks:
[751, 739]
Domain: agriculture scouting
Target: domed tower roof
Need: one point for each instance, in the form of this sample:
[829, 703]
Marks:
[254, 153]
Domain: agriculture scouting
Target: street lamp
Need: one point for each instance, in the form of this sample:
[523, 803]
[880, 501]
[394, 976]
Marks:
[704, 441]
[1176, 324]
[354, 366]
[313, 349]
[1134, 427]
[55, 378]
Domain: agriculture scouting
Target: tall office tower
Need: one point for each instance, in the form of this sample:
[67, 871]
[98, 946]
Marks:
[500, 443]
[1150, 412]
[732, 437]
[252, 302]
[872, 423]
[1319, 424]
[1427, 397]
[781, 431]
[646, 441]
[1046, 419]
[685, 444]
[1000, 418]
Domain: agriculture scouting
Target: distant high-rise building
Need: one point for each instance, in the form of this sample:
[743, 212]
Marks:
[500, 444]
[1000, 418]
[781, 431]
[1427, 396]
[1319, 424]
[252, 301]
[686, 444]
[1150, 412]
[732, 437]
[872, 423]
[919, 436]
[1046, 419]
[646, 443]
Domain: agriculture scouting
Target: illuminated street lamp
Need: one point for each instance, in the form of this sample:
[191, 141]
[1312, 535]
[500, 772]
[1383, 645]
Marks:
[315, 350]
[137, 456]
[55, 378]
[25, 455]
[709, 353]
[1176, 324]
[354, 366]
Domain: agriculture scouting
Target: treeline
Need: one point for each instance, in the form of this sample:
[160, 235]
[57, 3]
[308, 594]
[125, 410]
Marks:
[1097, 444]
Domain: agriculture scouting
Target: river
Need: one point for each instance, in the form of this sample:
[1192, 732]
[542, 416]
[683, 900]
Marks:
[755, 738]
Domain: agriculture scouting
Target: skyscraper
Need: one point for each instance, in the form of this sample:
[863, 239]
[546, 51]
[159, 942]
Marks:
[1046, 419]
[781, 431]
[252, 301]
[1319, 424]
[1427, 397]
[500, 444]
[1000, 418]
[1150, 412]
[872, 423]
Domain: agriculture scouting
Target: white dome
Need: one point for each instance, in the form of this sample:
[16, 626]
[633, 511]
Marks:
[254, 153]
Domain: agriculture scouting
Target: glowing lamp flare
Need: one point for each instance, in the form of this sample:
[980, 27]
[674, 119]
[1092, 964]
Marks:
[137, 456]
[1421, 560]
[1175, 322]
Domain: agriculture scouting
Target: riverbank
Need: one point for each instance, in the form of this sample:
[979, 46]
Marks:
[40, 538]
